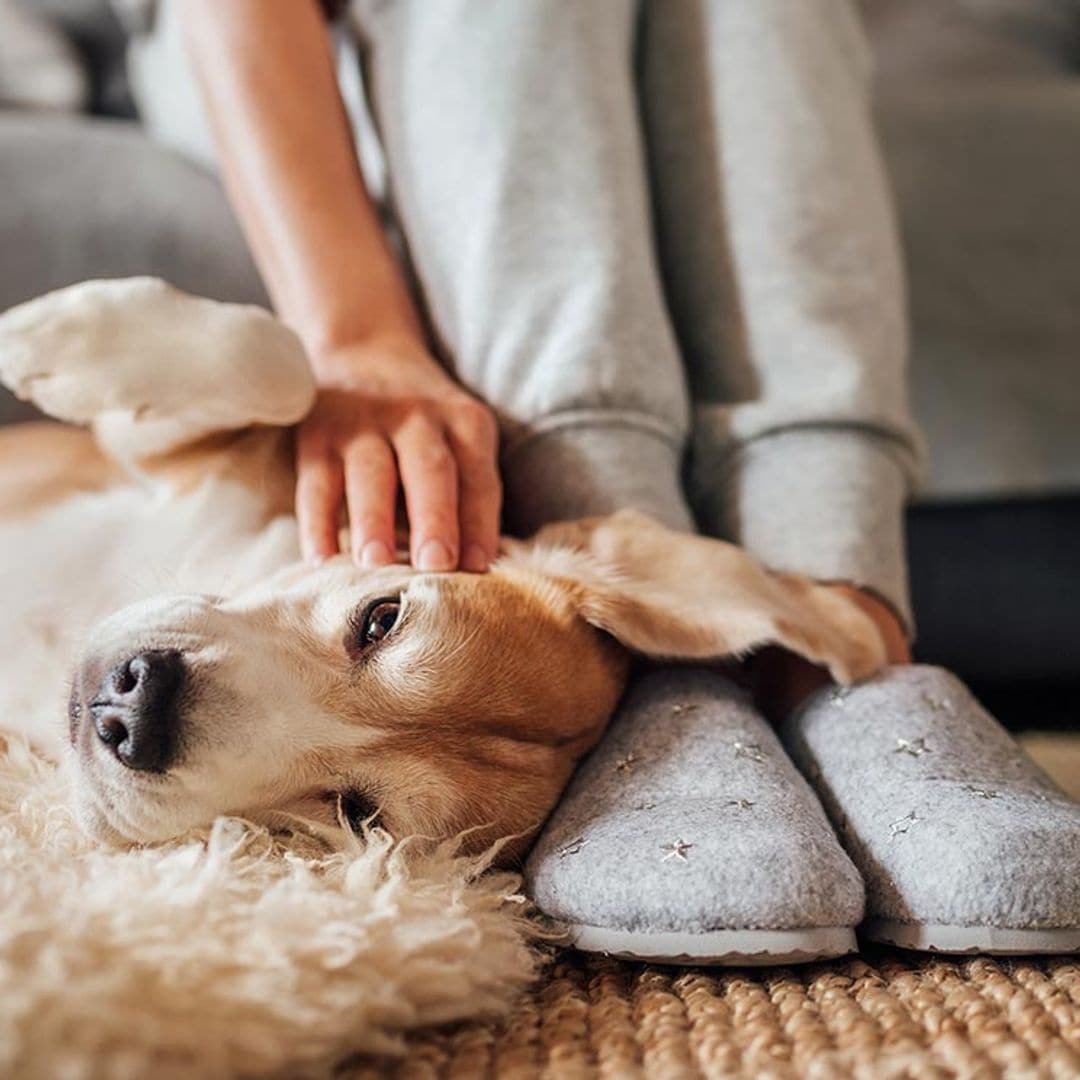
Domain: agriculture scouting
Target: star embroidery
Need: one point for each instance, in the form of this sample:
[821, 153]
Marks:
[982, 793]
[647, 805]
[676, 850]
[678, 710]
[626, 764]
[914, 747]
[936, 704]
[742, 804]
[750, 751]
[901, 825]
[573, 847]
[838, 696]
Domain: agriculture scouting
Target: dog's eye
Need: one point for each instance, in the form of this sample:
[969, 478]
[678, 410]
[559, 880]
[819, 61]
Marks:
[375, 623]
[357, 810]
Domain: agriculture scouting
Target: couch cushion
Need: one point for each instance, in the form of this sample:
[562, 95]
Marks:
[39, 67]
[951, 40]
[94, 29]
[94, 198]
[985, 175]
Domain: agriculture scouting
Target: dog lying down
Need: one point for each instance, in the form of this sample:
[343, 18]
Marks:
[159, 632]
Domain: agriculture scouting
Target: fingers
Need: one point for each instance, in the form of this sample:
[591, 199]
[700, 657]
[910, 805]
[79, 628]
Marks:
[319, 486]
[371, 496]
[430, 481]
[443, 453]
[474, 438]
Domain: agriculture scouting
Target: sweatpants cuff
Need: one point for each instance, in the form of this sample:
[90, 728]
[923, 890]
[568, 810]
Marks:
[583, 468]
[828, 504]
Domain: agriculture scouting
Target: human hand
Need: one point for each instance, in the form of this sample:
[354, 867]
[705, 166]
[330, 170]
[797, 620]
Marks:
[388, 416]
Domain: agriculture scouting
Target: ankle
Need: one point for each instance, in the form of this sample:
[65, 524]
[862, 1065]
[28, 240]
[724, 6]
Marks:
[782, 681]
[893, 632]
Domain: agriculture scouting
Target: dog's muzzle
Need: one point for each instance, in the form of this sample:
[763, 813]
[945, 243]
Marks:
[134, 711]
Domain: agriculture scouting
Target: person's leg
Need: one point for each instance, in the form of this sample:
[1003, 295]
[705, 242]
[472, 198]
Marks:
[518, 182]
[512, 136]
[516, 173]
[780, 256]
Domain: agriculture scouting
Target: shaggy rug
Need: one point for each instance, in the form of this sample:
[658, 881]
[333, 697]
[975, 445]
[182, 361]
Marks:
[234, 952]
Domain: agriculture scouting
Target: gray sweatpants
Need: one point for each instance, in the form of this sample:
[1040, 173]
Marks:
[655, 236]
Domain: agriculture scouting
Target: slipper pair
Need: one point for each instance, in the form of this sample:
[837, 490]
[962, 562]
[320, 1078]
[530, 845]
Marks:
[693, 833]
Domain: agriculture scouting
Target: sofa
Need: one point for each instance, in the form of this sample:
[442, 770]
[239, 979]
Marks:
[978, 104]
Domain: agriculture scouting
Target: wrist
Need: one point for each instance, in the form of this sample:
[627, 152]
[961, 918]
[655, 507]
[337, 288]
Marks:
[356, 316]
[343, 361]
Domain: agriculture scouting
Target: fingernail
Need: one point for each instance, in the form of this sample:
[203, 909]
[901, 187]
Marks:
[434, 555]
[476, 560]
[374, 554]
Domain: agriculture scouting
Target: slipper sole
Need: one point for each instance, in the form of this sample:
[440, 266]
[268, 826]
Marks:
[1001, 941]
[720, 948]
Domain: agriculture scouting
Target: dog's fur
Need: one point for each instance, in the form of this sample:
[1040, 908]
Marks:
[167, 525]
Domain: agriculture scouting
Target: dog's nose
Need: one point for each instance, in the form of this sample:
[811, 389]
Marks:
[135, 711]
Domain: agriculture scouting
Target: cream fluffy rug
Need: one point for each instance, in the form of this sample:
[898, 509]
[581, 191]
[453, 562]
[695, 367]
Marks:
[228, 954]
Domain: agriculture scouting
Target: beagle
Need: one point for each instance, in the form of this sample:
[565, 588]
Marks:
[161, 637]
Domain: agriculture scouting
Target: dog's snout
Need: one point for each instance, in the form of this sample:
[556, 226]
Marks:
[135, 711]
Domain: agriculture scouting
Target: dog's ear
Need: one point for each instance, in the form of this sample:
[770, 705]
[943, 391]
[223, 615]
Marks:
[675, 596]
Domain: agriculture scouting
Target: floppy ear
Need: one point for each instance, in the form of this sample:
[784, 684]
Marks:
[676, 596]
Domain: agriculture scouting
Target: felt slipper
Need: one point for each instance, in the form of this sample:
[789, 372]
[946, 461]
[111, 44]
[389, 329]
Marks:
[965, 845]
[688, 836]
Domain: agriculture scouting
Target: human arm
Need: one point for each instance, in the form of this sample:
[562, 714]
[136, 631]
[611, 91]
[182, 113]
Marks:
[387, 413]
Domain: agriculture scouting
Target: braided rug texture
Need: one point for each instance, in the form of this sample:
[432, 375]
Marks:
[882, 1015]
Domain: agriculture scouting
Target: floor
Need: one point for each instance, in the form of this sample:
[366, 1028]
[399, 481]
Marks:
[1058, 753]
[881, 1014]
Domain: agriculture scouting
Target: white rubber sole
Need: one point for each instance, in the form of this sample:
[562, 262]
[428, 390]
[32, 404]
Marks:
[735, 948]
[970, 939]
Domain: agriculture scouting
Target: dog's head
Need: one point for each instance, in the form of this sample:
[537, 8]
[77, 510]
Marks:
[436, 703]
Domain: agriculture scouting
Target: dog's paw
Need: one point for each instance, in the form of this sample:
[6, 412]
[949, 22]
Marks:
[138, 352]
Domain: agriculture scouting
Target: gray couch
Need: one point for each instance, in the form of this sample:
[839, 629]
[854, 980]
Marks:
[979, 104]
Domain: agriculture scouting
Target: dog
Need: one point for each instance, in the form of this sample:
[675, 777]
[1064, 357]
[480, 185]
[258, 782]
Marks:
[161, 637]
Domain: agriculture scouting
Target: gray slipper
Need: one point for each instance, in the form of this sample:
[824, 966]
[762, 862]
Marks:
[964, 843]
[688, 835]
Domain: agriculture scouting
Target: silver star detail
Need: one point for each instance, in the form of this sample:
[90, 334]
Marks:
[838, 696]
[647, 805]
[982, 793]
[749, 750]
[901, 825]
[676, 850]
[936, 704]
[573, 847]
[914, 747]
[742, 804]
[678, 710]
[626, 764]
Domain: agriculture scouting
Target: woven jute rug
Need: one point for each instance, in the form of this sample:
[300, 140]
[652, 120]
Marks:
[883, 1014]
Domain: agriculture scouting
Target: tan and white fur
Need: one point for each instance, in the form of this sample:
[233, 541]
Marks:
[165, 524]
